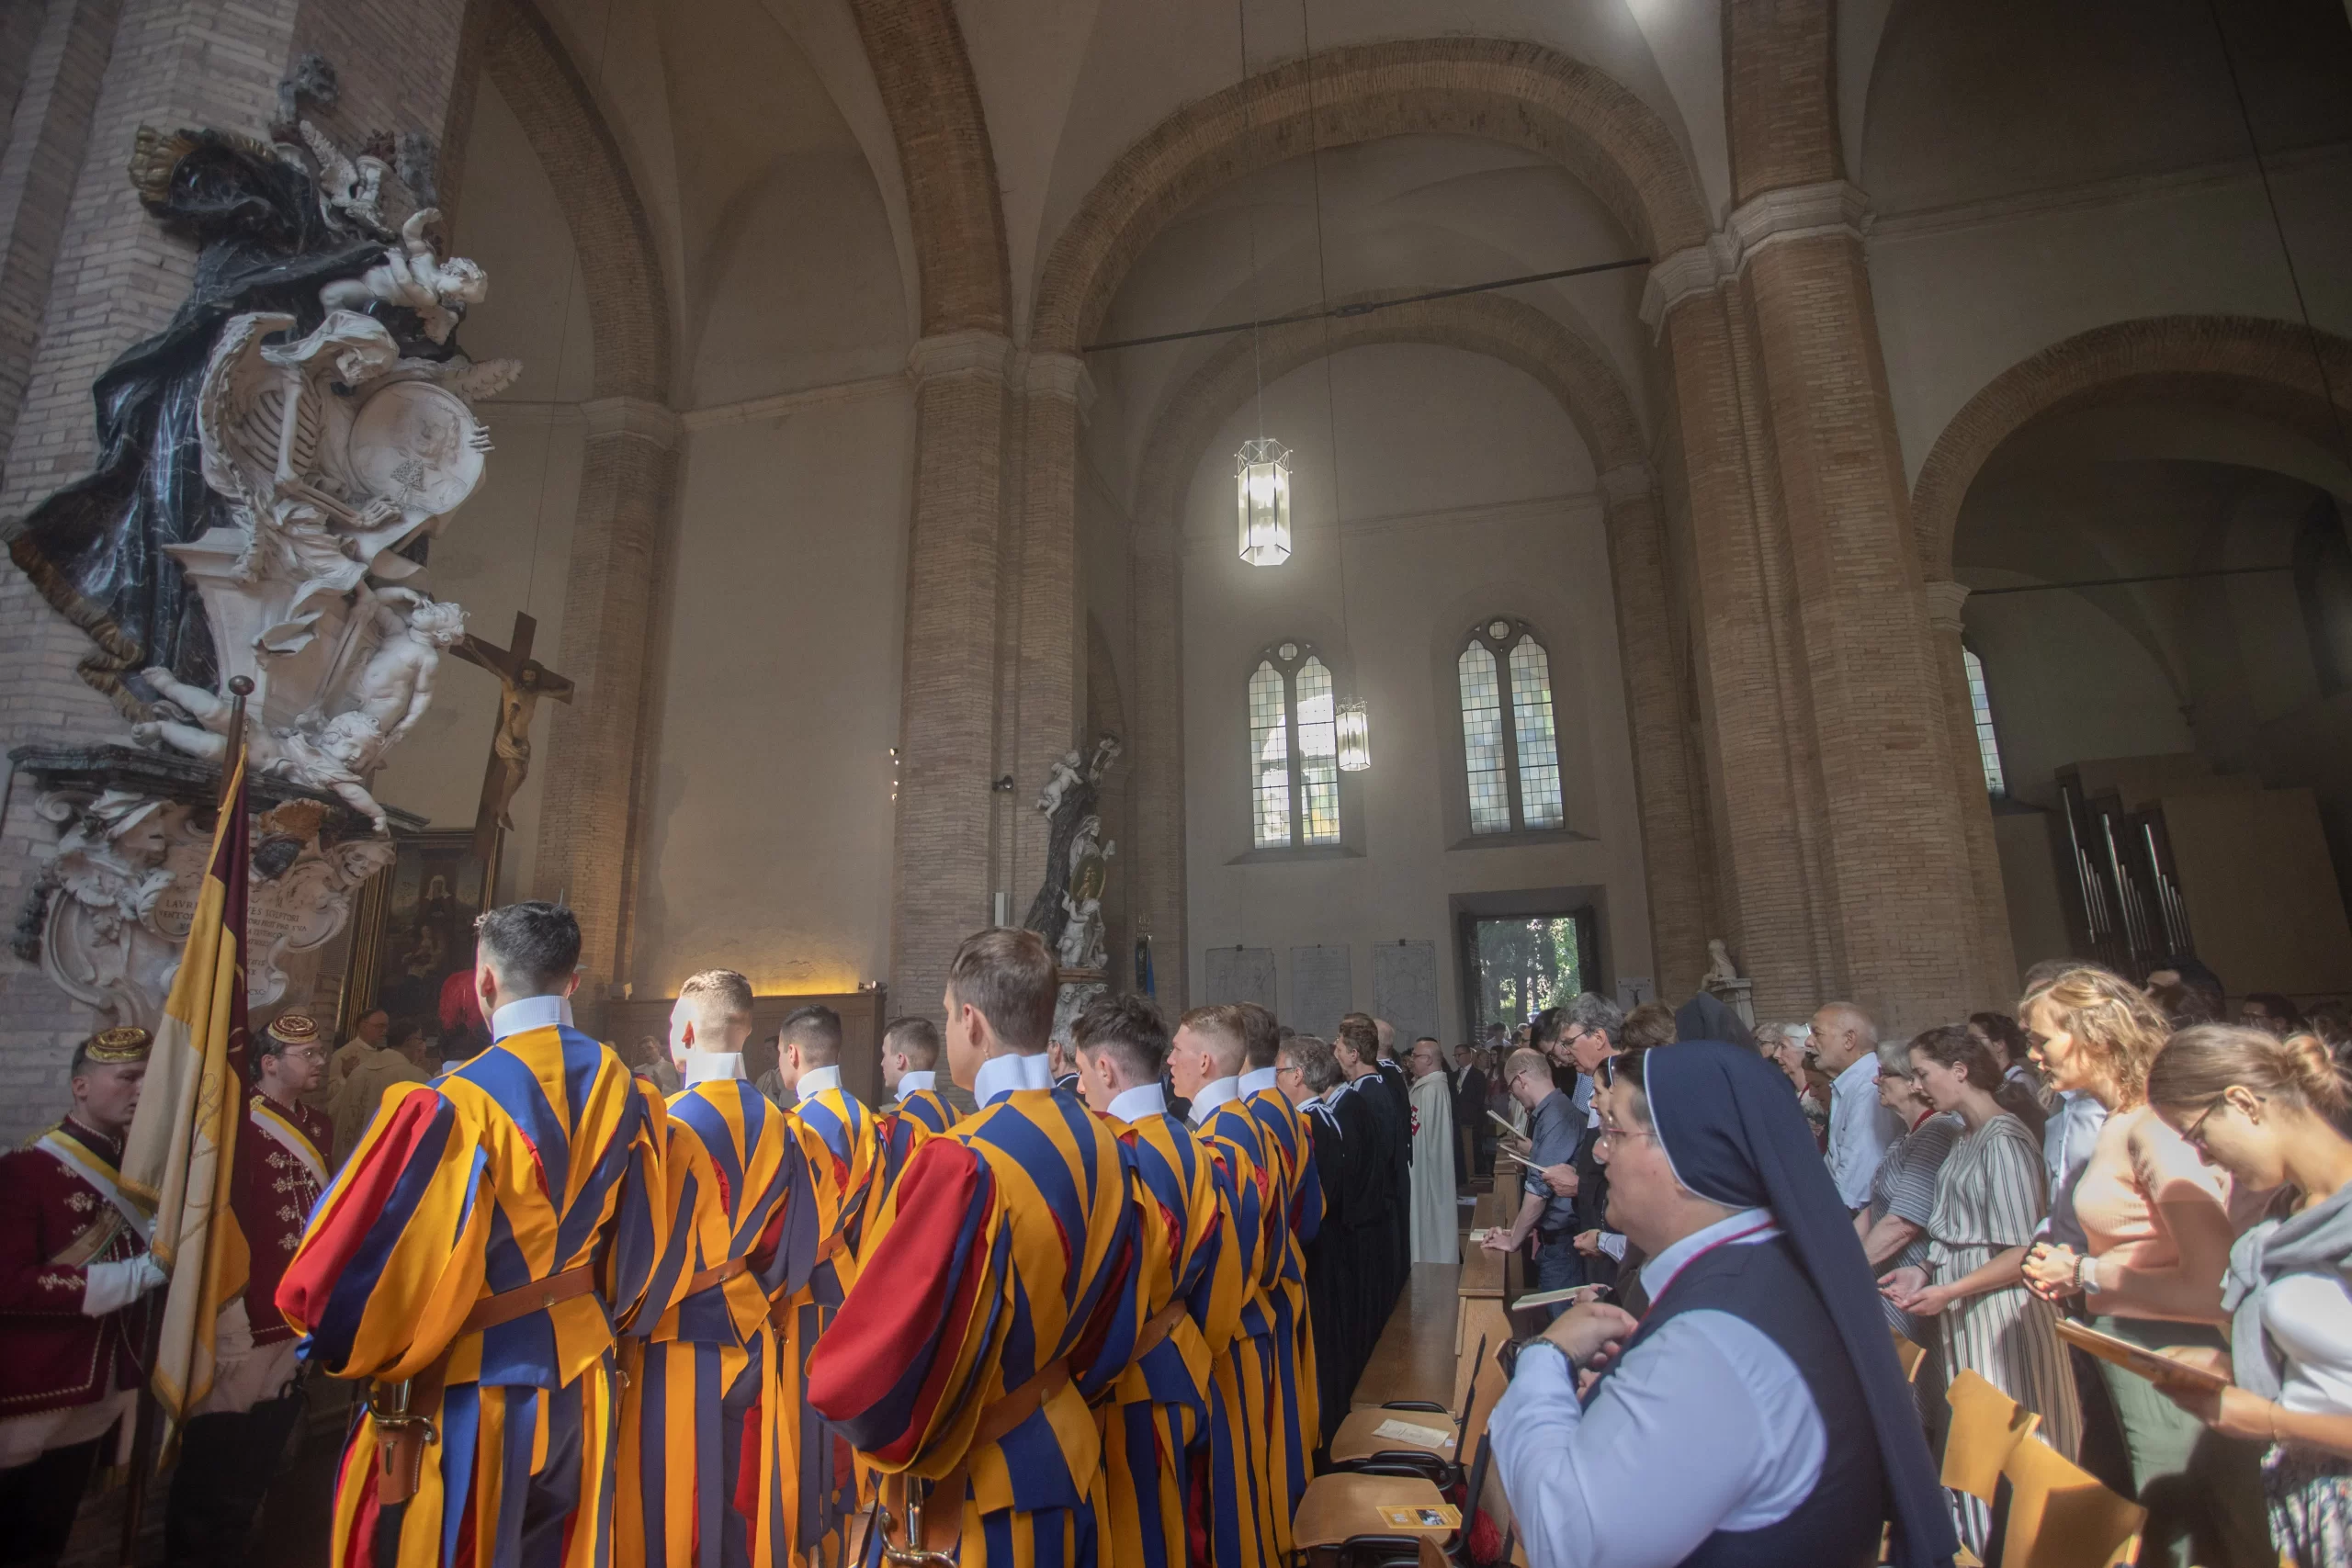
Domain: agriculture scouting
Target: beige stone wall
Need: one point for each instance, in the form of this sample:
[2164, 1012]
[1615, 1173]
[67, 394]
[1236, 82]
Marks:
[1453, 516]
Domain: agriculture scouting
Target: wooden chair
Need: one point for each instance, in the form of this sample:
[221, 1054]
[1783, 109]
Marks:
[1986, 1426]
[1338, 1523]
[1358, 1443]
[2061, 1517]
[1909, 1354]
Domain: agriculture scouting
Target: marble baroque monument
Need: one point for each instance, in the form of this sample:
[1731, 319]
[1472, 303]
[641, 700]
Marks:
[273, 466]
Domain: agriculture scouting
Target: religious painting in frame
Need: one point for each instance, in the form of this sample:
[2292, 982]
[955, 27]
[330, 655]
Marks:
[416, 928]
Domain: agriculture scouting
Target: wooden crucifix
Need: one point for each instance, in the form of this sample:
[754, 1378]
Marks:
[521, 682]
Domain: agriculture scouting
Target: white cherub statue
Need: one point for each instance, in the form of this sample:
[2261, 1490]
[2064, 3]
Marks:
[395, 686]
[414, 275]
[1059, 782]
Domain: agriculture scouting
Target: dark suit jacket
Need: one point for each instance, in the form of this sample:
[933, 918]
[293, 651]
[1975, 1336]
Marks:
[1470, 1099]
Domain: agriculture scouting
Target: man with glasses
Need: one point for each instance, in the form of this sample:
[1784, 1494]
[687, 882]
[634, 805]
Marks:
[1555, 1129]
[228, 1455]
[1588, 1043]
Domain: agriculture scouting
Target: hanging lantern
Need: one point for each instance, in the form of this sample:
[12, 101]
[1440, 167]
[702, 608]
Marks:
[1355, 738]
[1261, 500]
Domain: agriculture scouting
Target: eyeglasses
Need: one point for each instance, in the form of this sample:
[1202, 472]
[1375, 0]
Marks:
[307, 1054]
[2194, 1134]
[1612, 1136]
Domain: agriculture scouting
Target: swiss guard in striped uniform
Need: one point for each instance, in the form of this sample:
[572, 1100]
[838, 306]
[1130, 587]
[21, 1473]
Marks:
[996, 1294]
[471, 1261]
[75, 1278]
[1157, 1420]
[841, 1143]
[702, 1477]
[911, 1071]
[1249, 1516]
[279, 1170]
[1289, 1148]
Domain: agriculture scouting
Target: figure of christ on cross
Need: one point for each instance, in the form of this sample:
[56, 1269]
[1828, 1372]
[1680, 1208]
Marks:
[521, 682]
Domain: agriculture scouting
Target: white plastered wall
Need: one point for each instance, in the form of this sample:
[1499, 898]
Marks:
[1468, 493]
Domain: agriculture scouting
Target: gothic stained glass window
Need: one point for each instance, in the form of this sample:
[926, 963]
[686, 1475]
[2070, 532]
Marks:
[1539, 747]
[1318, 752]
[1513, 774]
[1293, 751]
[1980, 706]
[1482, 739]
[1268, 757]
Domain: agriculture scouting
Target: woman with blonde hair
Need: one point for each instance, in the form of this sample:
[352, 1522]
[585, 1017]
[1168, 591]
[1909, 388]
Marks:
[2155, 1221]
[2266, 1110]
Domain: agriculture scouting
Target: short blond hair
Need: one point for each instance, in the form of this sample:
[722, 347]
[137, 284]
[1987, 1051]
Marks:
[719, 996]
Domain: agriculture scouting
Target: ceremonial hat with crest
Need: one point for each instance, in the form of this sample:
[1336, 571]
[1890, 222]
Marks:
[116, 1045]
[293, 1029]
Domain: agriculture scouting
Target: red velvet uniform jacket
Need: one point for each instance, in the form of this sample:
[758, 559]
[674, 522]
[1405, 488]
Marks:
[54, 1220]
[281, 1169]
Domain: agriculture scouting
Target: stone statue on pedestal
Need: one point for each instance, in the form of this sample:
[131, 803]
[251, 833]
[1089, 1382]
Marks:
[272, 468]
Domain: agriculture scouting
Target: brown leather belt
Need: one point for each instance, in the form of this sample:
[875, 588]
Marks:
[942, 1530]
[401, 1432]
[1158, 1328]
[719, 1276]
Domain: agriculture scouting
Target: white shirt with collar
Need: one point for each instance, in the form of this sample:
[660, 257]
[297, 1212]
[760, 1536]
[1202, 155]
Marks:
[1707, 1424]
[529, 1012]
[1135, 1104]
[1000, 1076]
[815, 1081]
[1214, 1093]
[1253, 1080]
[1859, 1130]
[915, 1083]
[712, 1067]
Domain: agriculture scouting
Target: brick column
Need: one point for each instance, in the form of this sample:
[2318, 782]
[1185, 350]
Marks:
[1673, 834]
[948, 752]
[1900, 892]
[48, 144]
[1048, 632]
[1759, 765]
[1157, 753]
[1998, 977]
[585, 826]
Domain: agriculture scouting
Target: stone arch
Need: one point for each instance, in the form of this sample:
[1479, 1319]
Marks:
[628, 307]
[946, 159]
[2245, 363]
[1594, 398]
[1518, 93]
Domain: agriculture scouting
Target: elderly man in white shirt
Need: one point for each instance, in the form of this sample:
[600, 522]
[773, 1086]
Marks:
[1845, 1041]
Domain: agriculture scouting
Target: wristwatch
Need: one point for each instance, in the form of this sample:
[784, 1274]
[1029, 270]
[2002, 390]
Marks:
[2085, 1276]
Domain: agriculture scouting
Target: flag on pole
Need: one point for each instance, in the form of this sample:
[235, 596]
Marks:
[180, 1156]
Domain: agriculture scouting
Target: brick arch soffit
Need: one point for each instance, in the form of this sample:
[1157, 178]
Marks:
[945, 157]
[1560, 360]
[1520, 93]
[2252, 365]
[628, 306]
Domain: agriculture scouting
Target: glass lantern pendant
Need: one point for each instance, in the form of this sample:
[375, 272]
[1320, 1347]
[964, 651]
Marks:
[1355, 738]
[1262, 500]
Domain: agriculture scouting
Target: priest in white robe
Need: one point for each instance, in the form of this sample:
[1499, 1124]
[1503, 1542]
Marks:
[1437, 1233]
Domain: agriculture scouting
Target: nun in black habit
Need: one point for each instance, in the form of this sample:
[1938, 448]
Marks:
[1755, 1414]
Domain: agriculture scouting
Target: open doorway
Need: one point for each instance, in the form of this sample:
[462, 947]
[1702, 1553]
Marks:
[1515, 965]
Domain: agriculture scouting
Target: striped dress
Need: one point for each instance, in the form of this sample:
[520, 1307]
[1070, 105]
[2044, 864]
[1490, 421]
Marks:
[1989, 1197]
